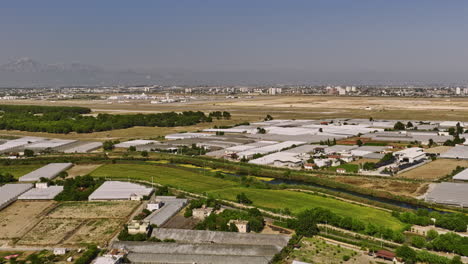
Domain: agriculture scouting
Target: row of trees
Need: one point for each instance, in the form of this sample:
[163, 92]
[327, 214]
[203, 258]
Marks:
[454, 221]
[38, 109]
[411, 256]
[64, 122]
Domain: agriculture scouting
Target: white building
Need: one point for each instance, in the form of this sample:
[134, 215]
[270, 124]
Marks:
[154, 205]
[138, 227]
[60, 251]
[410, 155]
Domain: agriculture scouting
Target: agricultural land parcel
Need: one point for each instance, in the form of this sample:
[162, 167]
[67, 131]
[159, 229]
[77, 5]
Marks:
[277, 199]
[434, 170]
[65, 223]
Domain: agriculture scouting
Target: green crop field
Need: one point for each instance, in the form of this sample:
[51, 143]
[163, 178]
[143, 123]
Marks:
[19, 170]
[185, 179]
[192, 181]
[297, 202]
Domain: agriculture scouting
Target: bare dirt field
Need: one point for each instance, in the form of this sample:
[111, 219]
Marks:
[65, 223]
[82, 169]
[50, 231]
[18, 218]
[178, 221]
[397, 187]
[434, 170]
[108, 209]
[99, 231]
[438, 149]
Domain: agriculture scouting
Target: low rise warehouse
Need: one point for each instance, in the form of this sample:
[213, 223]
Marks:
[9, 193]
[449, 193]
[49, 171]
[117, 190]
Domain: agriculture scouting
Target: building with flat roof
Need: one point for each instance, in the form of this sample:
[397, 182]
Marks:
[9, 193]
[48, 193]
[117, 190]
[171, 206]
[49, 171]
[462, 176]
[410, 155]
[449, 193]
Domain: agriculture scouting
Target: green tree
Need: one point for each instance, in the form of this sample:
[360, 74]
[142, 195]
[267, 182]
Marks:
[407, 254]
[399, 126]
[242, 198]
[359, 142]
[144, 153]
[28, 153]
[108, 145]
[306, 224]
[418, 241]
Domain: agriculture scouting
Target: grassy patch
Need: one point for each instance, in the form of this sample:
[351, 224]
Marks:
[350, 168]
[185, 179]
[189, 180]
[19, 170]
[297, 202]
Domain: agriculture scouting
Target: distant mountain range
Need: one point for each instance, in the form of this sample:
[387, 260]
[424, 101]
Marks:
[26, 72]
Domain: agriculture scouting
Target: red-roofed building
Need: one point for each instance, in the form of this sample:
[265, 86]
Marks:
[385, 254]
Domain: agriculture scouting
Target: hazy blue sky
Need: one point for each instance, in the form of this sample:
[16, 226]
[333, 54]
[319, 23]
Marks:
[309, 35]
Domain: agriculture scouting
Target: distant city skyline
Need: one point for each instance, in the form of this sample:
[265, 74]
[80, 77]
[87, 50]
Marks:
[417, 40]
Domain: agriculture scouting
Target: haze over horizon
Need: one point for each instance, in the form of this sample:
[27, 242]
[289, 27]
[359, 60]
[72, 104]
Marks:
[238, 41]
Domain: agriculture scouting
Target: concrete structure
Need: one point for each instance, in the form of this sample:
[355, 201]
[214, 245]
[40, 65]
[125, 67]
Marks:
[172, 206]
[448, 193]
[9, 193]
[41, 193]
[462, 176]
[154, 205]
[117, 190]
[49, 171]
[60, 251]
[410, 155]
[138, 227]
[242, 225]
[202, 213]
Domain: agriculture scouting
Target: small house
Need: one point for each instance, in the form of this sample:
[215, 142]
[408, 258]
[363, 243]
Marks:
[309, 166]
[136, 197]
[138, 227]
[60, 251]
[154, 205]
[42, 185]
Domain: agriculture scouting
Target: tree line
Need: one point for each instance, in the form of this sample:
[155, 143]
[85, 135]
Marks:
[63, 120]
